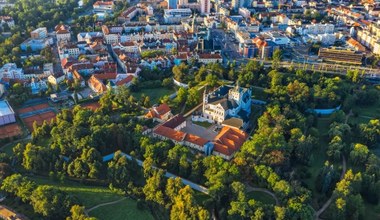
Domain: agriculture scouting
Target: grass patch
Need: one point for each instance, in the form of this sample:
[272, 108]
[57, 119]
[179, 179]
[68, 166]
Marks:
[202, 123]
[259, 93]
[372, 111]
[154, 93]
[262, 197]
[89, 196]
[8, 148]
[371, 211]
[125, 209]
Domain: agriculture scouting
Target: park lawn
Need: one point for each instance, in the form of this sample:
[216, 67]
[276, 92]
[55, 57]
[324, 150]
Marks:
[259, 93]
[261, 197]
[89, 196]
[8, 148]
[125, 209]
[154, 94]
[371, 211]
[372, 111]
[319, 156]
[202, 123]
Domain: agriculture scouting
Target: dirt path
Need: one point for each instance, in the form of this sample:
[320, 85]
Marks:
[105, 204]
[328, 202]
[257, 189]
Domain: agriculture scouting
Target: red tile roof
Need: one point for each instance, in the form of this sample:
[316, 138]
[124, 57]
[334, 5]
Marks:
[125, 80]
[195, 140]
[97, 85]
[175, 121]
[229, 140]
[170, 133]
[158, 112]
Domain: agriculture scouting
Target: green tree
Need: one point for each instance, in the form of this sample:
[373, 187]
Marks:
[193, 97]
[359, 154]
[78, 213]
[51, 202]
[277, 55]
[185, 207]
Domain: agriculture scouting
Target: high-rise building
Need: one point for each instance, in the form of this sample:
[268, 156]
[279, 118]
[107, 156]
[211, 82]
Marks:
[205, 6]
[236, 4]
[172, 4]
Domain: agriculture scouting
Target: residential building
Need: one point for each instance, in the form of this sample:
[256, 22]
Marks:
[68, 49]
[7, 115]
[176, 15]
[5, 212]
[7, 20]
[97, 81]
[172, 4]
[341, 55]
[227, 103]
[89, 37]
[36, 44]
[103, 6]
[62, 32]
[39, 33]
[245, 12]
[320, 28]
[209, 58]
[160, 113]
[56, 79]
[236, 4]
[205, 7]
[10, 71]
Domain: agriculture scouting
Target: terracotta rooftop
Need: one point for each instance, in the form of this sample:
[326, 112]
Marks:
[175, 121]
[158, 112]
[195, 139]
[125, 80]
[170, 133]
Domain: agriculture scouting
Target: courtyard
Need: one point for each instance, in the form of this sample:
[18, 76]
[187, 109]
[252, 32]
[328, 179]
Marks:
[207, 133]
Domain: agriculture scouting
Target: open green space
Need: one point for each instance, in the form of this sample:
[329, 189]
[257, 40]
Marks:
[372, 111]
[259, 93]
[262, 197]
[8, 148]
[123, 210]
[90, 196]
[202, 123]
[154, 93]
[371, 212]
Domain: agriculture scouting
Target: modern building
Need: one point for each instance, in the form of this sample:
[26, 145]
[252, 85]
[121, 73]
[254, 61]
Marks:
[7, 115]
[35, 44]
[10, 71]
[172, 4]
[341, 55]
[39, 33]
[320, 29]
[205, 7]
[176, 15]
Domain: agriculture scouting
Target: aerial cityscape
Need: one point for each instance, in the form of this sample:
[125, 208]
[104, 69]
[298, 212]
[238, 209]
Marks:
[189, 109]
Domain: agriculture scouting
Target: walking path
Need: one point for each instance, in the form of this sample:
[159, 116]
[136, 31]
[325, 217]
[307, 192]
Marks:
[105, 204]
[167, 174]
[328, 202]
[257, 189]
